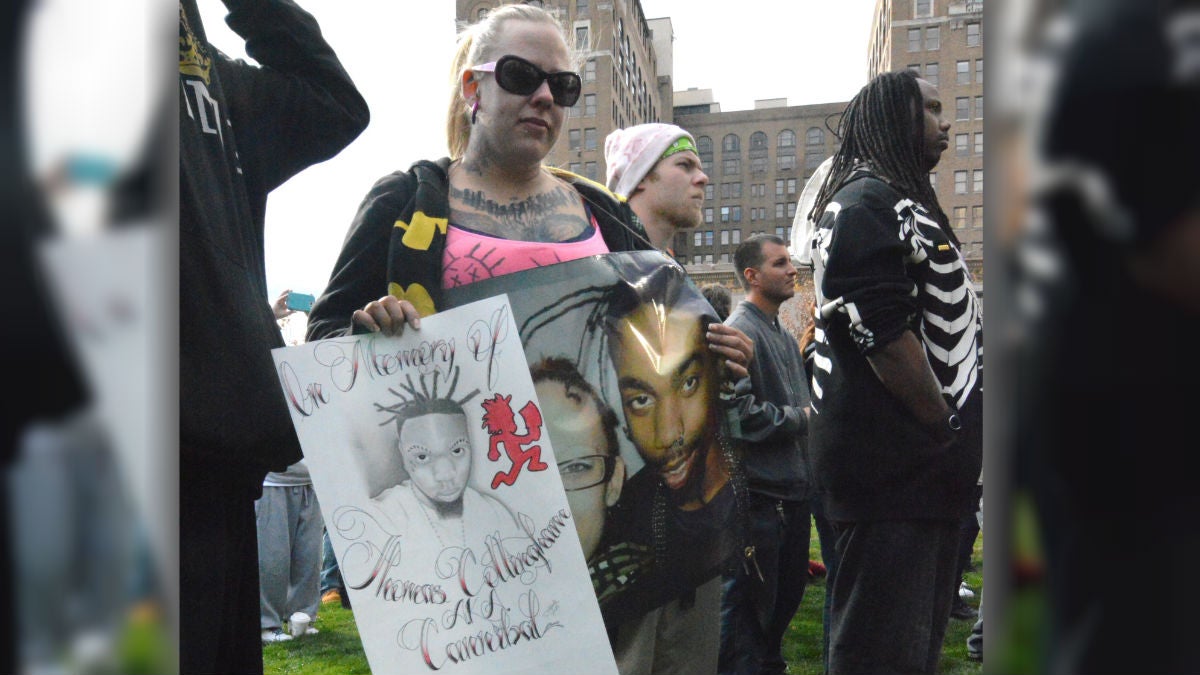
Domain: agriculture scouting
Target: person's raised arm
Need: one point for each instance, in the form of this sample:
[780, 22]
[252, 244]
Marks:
[300, 107]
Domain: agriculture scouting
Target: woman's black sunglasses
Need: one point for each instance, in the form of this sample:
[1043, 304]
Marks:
[518, 76]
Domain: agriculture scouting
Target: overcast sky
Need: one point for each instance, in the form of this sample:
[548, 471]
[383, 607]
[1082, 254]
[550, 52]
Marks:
[809, 51]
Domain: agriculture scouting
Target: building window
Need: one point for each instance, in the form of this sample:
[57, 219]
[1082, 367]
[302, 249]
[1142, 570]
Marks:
[791, 186]
[960, 182]
[753, 215]
[708, 191]
[708, 258]
[813, 159]
[758, 165]
[962, 145]
[974, 36]
[573, 139]
[977, 216]
[787, 139]
[731, 167]
[932, 72]
[581, 7]
[978, 71]
[581, 38]
[779, 187]
[933, 38]
[780, 232]
[977, 180]
[708, 218]
[962, 108]
[589, 139]
[724, 237]
[786, 162]
[978, 107]
[791, 211]
[915, 68]
[962, 72]
[708, 237]
[589, 170]
[482, 14]
[724, 214]
[705, 146]
[979, 143]
[960, 216]
[731, 143]
[699, 239]
[589, 71]
[735, 190]
[923, 8]
[735, 214]
[914, 39]
[724, 257]
[575, 168]
[758, 141]
[814, 136]
[589, 105]
[780, 209]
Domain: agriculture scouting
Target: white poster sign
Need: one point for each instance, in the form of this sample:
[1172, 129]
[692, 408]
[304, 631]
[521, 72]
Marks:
[443, 500]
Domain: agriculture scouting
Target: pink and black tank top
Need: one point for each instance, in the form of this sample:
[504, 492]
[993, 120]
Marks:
[472, 256]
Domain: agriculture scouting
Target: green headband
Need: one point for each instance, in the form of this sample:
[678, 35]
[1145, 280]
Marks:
[682, 143]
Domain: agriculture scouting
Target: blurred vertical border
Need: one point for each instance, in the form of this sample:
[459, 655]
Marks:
[89, 183]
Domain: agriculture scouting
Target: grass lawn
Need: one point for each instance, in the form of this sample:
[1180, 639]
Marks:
[336, 650]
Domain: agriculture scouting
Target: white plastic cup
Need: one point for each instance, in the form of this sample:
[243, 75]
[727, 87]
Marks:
[299, 623]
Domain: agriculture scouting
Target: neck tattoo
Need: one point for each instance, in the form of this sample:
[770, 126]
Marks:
[548, 216]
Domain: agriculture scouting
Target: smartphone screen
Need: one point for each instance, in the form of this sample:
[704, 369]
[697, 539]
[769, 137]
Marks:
[301, 302]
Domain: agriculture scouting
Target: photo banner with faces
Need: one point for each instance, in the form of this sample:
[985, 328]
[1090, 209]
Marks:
[440, 491]
[664, 515]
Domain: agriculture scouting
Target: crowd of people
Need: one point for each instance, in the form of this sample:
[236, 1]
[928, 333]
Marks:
[873, 427]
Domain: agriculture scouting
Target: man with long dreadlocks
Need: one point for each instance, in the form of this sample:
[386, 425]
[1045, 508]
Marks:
[895, 438]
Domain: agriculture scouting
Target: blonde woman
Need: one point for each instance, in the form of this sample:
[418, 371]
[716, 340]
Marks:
[491, 207]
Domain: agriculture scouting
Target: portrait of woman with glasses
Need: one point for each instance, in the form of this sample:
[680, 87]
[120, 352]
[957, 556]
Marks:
[491, 207]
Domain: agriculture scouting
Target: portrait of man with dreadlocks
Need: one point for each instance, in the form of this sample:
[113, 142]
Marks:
[895, 438]
[633, 327]
[435, 503]
[443, 495]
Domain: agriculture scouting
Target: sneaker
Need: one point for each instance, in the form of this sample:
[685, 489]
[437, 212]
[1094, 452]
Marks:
[963, 611]
[311, 631]
[275, 635]
[965, 592]
[974, 655]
